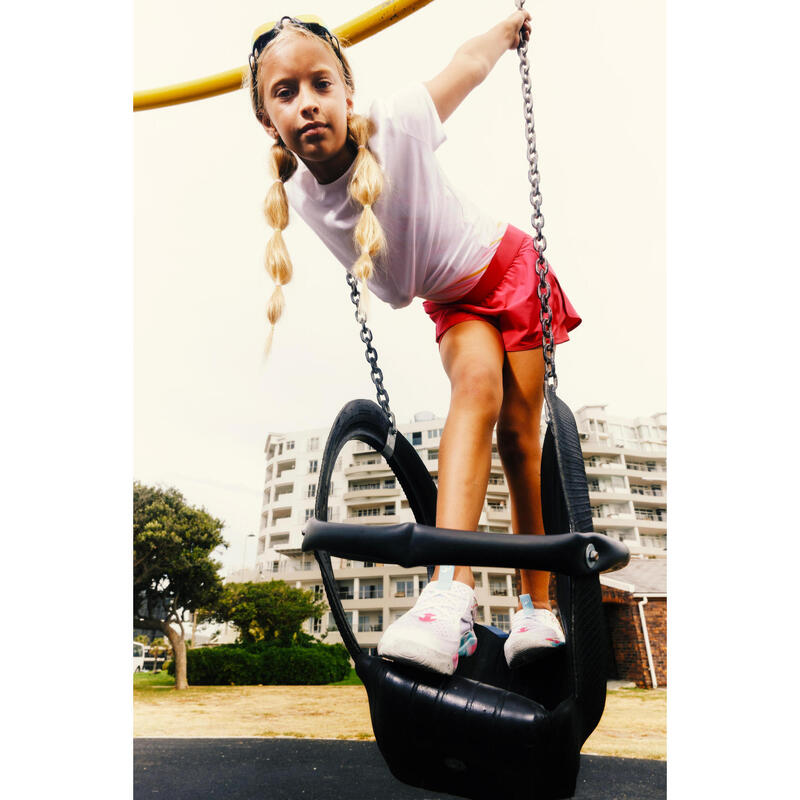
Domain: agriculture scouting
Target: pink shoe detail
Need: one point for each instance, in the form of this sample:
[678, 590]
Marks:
[427, 617]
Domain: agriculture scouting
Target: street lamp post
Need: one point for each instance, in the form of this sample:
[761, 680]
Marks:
[244, 548]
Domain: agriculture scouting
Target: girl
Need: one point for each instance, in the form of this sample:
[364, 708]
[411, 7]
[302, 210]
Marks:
[371, 188]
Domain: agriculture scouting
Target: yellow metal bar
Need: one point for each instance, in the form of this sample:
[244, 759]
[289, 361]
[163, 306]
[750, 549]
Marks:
[354, 31]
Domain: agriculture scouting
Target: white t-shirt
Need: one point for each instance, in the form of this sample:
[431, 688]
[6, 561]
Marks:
[438, 242]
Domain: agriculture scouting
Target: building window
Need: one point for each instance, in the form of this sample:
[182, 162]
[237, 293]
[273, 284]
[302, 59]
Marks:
[313, 466]
[388, 510]
[356, 486]
[316, 625]
[367, 512]
[368, 623]
[498, 587]
[423, 582]
[290, 445]
[313, 443]
[501, 620]
[370, 591]
[309, 514]
[433, 455]
[404, 588]
[318, 590]
[345, 591]
[312, 490]
[389, 483]
[416, 438]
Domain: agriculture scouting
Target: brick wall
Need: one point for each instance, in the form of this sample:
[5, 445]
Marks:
[655, 613]
[627, 637]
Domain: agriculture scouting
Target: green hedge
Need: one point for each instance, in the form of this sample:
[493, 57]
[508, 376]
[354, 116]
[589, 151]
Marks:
[245, 665]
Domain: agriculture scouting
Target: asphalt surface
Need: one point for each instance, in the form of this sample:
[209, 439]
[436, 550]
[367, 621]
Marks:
[286, 769]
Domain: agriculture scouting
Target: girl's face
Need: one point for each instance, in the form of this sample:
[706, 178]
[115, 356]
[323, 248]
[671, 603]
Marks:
[307, 103]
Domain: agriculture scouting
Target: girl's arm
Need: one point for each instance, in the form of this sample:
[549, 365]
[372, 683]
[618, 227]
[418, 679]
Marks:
[474, 60]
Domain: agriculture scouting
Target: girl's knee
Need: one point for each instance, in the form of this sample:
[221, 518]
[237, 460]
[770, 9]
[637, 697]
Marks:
[479, 389]
[518, 443]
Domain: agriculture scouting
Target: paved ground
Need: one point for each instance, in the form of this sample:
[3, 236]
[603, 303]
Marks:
[286, 769]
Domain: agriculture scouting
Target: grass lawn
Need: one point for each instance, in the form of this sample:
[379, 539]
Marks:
[148, 680]
[633, 724]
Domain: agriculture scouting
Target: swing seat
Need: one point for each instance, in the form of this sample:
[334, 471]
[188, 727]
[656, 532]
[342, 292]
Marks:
[487, 730]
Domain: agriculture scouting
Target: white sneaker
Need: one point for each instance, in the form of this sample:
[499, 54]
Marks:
[436, 631]
[532, 629]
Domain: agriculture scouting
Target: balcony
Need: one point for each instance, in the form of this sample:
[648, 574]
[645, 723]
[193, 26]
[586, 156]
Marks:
[276, 539]
[280, 516]
[498, 514]
[647, 523]
[370, 626]
[649, 501]
[604, 469]
[282, 468]
[609, 495]
[283, 490]
[369, 494]
[360, 470]
[645, 473]
[617, 522]
[376, 519]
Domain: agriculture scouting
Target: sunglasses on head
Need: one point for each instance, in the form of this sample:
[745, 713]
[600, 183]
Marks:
[266, 33]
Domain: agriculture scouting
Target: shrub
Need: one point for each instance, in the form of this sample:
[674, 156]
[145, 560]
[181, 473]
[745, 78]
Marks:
[267, 664]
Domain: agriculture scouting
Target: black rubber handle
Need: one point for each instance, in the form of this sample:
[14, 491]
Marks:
[410, 544]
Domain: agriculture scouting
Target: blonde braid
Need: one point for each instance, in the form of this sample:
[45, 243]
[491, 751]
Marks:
[276, 210]
[366, 184]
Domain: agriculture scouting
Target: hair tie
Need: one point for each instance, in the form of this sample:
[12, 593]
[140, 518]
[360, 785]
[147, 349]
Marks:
[362, 147]
[367, 205]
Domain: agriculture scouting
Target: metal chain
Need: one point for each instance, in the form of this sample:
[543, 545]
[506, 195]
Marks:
[371, 354]
[537, 219]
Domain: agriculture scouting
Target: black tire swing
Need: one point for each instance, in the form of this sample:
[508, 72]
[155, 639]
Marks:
[485, 731]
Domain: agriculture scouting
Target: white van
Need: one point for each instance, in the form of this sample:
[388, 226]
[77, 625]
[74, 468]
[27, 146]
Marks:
[138, 656]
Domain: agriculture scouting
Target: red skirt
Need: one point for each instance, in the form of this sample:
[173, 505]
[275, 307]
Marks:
[506, 297]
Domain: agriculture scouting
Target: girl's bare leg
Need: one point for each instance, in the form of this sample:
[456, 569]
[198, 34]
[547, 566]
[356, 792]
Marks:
[472, 355]
[521, 454]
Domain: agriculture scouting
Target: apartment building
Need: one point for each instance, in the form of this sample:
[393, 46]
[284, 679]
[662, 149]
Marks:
[626, 469]
[625, 464]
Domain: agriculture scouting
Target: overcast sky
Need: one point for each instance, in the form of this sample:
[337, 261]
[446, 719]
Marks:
[204, 397]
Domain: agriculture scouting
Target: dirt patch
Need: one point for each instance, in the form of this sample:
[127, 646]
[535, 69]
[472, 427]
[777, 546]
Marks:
[318, 712]
[633, 725]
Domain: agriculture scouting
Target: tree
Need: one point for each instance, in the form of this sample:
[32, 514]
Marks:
[173, 572]
[269, 610]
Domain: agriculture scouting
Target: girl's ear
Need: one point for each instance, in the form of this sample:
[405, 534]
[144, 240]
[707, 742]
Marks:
[349, 103]
[268, 126]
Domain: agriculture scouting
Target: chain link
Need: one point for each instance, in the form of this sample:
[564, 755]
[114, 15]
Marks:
[537, 218]
[371, 354]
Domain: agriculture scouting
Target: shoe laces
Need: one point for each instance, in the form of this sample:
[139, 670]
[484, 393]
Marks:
[441, 600]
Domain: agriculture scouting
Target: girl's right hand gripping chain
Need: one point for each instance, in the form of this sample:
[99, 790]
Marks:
[518, 23]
